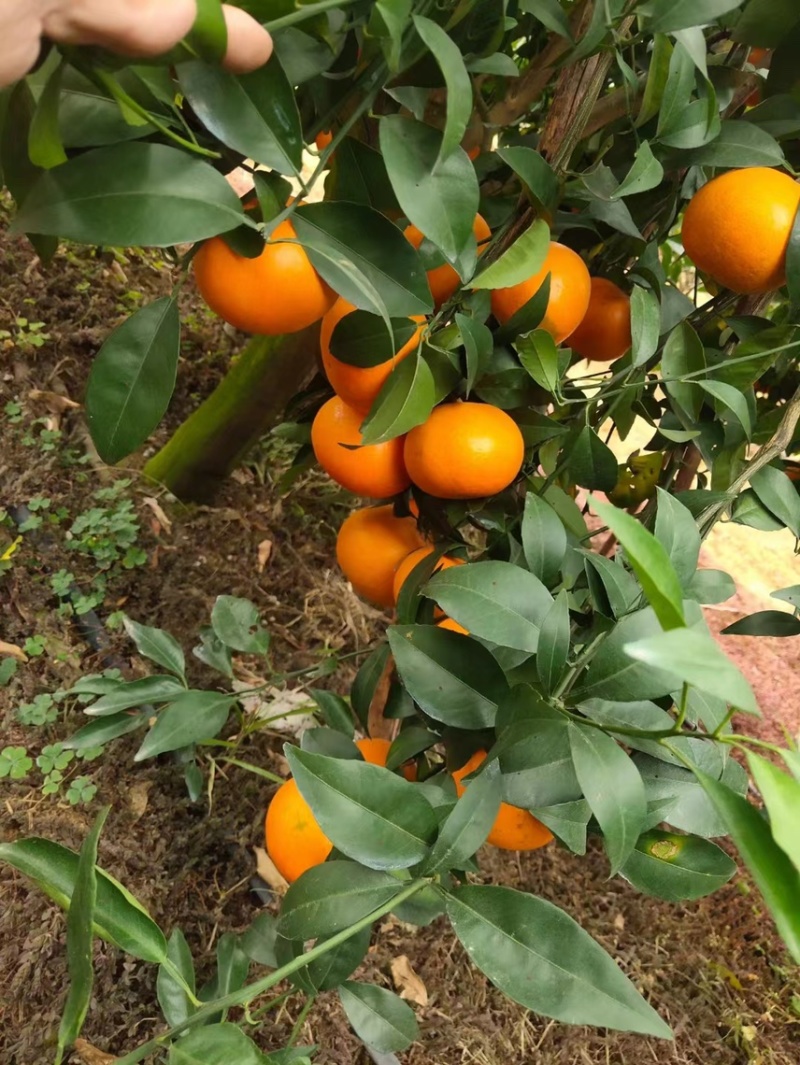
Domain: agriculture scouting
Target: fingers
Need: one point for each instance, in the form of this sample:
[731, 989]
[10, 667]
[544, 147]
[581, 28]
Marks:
[21, 24]
[249, 44]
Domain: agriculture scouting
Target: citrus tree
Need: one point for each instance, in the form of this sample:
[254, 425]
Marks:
[545, 223]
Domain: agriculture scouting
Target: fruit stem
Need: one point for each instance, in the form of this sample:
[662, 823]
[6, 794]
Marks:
[306, 12]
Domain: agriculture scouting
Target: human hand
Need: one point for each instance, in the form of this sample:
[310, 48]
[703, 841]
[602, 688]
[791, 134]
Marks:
[135, 28]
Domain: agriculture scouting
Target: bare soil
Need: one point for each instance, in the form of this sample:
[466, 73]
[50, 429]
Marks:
[714, 969]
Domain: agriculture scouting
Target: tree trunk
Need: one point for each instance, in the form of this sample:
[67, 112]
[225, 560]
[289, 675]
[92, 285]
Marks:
[249, 401]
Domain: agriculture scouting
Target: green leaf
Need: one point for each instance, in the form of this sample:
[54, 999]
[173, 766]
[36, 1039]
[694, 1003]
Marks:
[216, 1044]
[333, 968]
[521, 260]
[208, 36]
[156, 645]
[329, 741]
[258, 942]
[789, 595]
[362, 339]
[694, 657]
[134, 693]
[255, 114]
[332, 896]
[495, 601]
[711, 586]
[478, 346]
[339, 235]
[373, 816]
[99, 733]
[366, 681]
[536, 760]
[777, 878]
[550, 14]
[620, 809]
[213, 652]
[614, 675]
[80, 933]
[336, 713]
[539, 355]
[238, 624]
[645, 173]
[536, 173]
[191, 717]
[457, 83]
[528, 317]
[379, 1018]
[131, 194]
[468, 824]
[617, 587]
[592, 464]
[739, 144]
[683, 353]
[781, 795]
[676, 531]
[132, 379]
[674, 867]
[567, 821]
[538, 956]
[172, 998]
[793, 261]
[766, 22]
[544, 538]
[665, 16]
[779, 495]
[650, 563]
[388, 21]
[765, 623]
[118, 917]
[45, 145]
[733, 399]
[440, 200]
[405, 401]
[453, 678]
[645, 325]
[551, 657]
[690, 808]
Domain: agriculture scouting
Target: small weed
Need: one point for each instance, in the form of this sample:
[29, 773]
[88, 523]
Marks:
[13, 411]
[34, 646]
[15, 763]
[26, 334]
[42, 711]
[8, 667]
[81, 790]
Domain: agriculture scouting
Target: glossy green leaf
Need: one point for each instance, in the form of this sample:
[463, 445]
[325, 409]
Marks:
[689, 807]
[645, 325]
[731, 399]
[100, 732]
[495, 601]
[674, 867]
[208, 36]
[237, 623]
[388, 22]
[45, 144]
[567, 821]
[683, 353]
[213, 652]
[793, 261]
[412, 741]
[135, 693]
[539, 355]
[781, 795]
[550, 14]
[366, 681]
[676, 531]
[373, 816]
[469, 823]
[350, 241]
[646, 173]
[544, 538]
[614, 675]
[528, 317]
[694, 657]
[255, 113]
[80, 934]
[362, 339]
[538, 956]
[765, 623]
[132, 379]
[777, 878]
[535, 757]
[216, 1044]
[551, 656]
[592, 464]
[457, 82]
[748, 510]
[453, 678]
[536, 173]
[404, 402]
[621, 809]
[172, 998]
[614, 591]
[118, 917]
[156, 645]
[379, 1018]
[664, 16]
[329, 741]
[332, 896]
[440, 200]
[334, 967]
[478, 344]
[739, 144]
[779, 495]
[131, 194]
[650, 563]
[191, 717]
[358, 175]
[766, 22]
[789, 595]
[521, 260]
[335, 711]
[258, 942]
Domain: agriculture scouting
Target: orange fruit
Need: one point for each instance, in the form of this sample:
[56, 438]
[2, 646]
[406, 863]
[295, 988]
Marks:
[464, 451]
[570, 288]
[759, 57]
[453, 626]
[294, 840]
[376, 470]
[410, 561]
[323, 139]
[443, 280]
[358, 386]
[474, 152]
[514, 829]
[370, 546]
[737, 227]
[376, 751]
[277, 292]
[605, 332]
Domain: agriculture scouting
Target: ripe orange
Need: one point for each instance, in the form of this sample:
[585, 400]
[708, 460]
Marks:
[277, 292]
[358, 386]
[370, 546]
[737, 227]
[464, 451]
[570, 288]
[514, 829]
[412, 560]
[605, 332]
[376, 471]
[443, 280]
[376, 751]
[453, 626]
[294, 840]
[323, 139]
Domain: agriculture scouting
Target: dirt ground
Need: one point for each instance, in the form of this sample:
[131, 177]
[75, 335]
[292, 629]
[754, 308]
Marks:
[714, 969]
